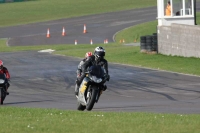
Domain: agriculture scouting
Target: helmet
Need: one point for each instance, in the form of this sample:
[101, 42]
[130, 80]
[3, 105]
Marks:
[99, 53]
[1, 64]
[88, 54]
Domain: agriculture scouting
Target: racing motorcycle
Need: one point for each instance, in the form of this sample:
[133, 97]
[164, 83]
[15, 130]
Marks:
[3, 86]
[91, 88]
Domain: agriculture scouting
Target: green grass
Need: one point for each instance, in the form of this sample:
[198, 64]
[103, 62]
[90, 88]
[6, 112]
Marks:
[26, 120]
[198, 18]
[43, 10]
[133, 33]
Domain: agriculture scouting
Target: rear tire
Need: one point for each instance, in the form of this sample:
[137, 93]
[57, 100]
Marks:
[92, 99]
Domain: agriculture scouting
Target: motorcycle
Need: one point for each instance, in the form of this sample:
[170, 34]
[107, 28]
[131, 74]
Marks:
[91, 88]
[3, 86]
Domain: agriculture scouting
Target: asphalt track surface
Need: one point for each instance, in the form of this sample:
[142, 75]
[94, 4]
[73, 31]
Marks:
[44, 80]
[99, 28]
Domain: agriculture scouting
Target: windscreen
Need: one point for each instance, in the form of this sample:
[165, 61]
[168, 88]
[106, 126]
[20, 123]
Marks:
[96, 71]
[2, 76]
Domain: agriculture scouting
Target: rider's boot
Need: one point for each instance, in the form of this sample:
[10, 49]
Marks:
[7, 93]
[104, 87]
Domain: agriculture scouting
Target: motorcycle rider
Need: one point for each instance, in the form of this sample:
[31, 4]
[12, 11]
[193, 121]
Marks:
[4, 70]
[96, 59]
[79, 71]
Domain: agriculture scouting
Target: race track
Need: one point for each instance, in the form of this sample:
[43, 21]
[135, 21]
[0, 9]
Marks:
[44, 80]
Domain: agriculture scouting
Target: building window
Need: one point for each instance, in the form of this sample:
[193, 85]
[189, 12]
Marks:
[168, 8]
[178, 8]
[188, 7]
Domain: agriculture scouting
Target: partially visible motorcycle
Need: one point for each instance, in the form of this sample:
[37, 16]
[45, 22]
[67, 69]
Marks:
[91, 88]
[3, 86]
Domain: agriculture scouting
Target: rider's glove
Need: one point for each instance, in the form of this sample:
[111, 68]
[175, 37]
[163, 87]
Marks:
[80, 79]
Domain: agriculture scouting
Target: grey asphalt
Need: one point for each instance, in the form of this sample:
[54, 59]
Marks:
[44, 80]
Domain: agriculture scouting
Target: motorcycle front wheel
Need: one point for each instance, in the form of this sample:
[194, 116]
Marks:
[80, 107]
[91, 98]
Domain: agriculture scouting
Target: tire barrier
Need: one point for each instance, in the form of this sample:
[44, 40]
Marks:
[148, 43]
[143, 43]
[154, 42]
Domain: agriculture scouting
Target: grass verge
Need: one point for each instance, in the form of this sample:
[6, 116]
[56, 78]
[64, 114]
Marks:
[133, 33]
[26, 120]
[43, 10]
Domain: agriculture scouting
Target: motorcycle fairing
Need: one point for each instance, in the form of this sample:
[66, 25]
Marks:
[82, 89]
[2, 79]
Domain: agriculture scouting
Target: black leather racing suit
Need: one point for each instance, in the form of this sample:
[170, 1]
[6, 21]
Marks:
[79, 70]
[78, 75]
[91, 61]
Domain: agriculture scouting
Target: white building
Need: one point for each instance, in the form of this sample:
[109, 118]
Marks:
[181, 12]
[178, 34]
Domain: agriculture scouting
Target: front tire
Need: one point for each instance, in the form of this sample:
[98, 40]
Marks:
[81, 107]
[1, 96]
[1, 101]
[91, 99]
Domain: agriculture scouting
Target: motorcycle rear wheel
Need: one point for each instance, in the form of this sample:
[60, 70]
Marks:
[91, 100]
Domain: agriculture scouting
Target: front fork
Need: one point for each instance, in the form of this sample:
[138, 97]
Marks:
[99, 93]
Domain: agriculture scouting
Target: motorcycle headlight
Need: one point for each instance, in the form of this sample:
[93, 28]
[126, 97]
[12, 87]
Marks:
[2, 81]
[96, 80]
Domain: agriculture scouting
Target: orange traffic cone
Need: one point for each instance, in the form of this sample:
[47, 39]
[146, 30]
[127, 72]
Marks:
[91, 42]
[75, 42]
[120, 41]
[48, 33]
[106, 41]
[63, 32]
[84, 29]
